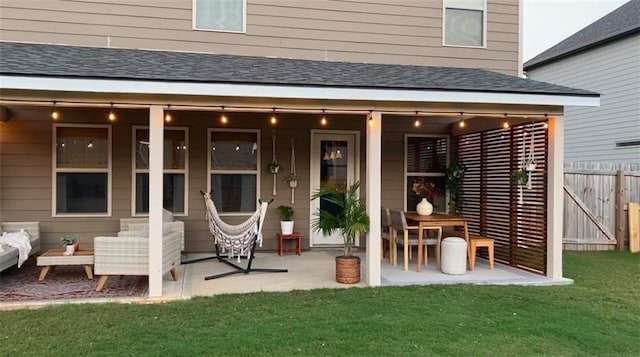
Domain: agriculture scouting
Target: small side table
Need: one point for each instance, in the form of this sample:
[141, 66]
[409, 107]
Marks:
[293, 236]
[54, 257]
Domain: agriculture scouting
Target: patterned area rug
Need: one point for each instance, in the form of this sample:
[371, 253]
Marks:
[64, 282]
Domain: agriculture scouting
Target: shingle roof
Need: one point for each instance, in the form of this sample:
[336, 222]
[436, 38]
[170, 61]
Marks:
[622, 22]
[26, 59]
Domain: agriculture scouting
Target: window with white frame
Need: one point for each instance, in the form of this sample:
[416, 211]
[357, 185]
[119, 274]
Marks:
[233, 169]
[465, 22]
[176, 165]
[219, 15]
[82, 170]
[426, 160]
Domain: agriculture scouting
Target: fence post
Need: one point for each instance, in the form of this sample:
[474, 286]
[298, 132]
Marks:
[620, 209]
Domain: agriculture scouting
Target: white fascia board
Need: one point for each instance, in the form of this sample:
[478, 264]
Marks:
[286, 92]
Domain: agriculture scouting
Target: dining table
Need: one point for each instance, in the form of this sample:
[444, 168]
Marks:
[437, 220]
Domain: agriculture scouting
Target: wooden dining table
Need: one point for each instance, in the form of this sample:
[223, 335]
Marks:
[437, 220]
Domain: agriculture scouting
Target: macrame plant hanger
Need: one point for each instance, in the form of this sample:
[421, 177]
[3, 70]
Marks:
[293, 179]
[523, 163]
[530, 164]
[274, 163]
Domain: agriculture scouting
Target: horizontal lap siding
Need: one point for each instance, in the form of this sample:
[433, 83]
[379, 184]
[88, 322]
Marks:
[26, 154]
[591, 133]
[408, 32]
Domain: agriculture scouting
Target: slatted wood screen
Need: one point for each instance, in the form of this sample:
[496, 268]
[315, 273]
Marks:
[490, 200]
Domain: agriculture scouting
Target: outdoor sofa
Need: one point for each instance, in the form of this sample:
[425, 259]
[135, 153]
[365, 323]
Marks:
[9, 255]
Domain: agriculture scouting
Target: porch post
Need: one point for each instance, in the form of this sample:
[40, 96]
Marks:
[374, 149]
[156, 153]
[555, 197]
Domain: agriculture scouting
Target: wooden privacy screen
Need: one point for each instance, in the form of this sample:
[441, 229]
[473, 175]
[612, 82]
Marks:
[490, 199]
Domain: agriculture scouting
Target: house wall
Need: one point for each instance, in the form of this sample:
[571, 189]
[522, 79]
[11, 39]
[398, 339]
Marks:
[379, 31]
[26, 168]
[591, 133]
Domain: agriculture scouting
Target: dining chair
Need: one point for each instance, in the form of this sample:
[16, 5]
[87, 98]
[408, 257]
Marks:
[407, 236]
[386, 234]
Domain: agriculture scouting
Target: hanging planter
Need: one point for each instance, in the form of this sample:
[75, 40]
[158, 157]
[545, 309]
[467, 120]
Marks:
[274, 167]
[292, 178]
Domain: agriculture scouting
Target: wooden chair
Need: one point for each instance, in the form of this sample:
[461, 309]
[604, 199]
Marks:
[399, 224]
[478, 242]
[386, 235]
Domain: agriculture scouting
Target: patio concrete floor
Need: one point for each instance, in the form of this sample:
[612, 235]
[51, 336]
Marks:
[312, 270]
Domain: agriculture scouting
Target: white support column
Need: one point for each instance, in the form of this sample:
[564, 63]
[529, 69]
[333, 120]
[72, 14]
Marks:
[555, 197]
[156, 163]
[374, 156]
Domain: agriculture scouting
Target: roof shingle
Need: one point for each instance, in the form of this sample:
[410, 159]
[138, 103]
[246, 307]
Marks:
[27, 59]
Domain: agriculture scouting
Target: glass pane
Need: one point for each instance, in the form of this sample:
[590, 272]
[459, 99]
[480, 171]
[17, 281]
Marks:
[81, 193]
[234, 192]
[82, 147]
[174, 149]
[219, 15]
[333, 168]
[234, 150]
[426, 154]
[439, 197]
[466, 4]
[463, 27]
[173, 193]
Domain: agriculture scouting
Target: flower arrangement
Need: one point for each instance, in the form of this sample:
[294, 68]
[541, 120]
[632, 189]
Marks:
[424, 189]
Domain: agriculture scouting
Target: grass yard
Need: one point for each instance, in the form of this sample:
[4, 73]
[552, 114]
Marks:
[598, 315]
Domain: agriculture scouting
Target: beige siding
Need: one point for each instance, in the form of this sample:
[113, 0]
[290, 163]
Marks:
[407, 32]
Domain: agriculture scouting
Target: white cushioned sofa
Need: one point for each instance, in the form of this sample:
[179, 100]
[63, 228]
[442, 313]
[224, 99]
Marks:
[128, 253]
[9, 255]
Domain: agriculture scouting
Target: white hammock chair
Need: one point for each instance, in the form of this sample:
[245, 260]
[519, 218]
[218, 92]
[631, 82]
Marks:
[235, 240]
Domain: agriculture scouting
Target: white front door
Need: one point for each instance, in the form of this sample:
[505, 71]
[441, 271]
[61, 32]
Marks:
[334, 161]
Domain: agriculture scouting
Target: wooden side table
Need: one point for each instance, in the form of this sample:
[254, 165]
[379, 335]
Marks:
[54, 257]
[283, 237]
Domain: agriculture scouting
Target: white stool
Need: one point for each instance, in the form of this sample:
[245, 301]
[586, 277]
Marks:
[454, 256]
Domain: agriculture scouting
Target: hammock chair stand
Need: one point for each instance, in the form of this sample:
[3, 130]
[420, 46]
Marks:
[215, 226]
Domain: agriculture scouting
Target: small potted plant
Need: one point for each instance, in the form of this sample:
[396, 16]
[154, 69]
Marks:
[273, 167]
[292, 180]
[70, 242]
[286, 224]
[520, 177]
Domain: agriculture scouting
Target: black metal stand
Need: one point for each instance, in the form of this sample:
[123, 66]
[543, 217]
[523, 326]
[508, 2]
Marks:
[239, 269]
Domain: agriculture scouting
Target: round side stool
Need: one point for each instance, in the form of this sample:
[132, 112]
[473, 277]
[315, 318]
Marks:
[454, 256]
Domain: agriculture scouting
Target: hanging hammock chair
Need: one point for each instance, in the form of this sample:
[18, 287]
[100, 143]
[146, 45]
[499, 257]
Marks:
[234, 241]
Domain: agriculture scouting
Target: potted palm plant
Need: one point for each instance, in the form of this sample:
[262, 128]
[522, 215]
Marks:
[286, 224]
[349, 217]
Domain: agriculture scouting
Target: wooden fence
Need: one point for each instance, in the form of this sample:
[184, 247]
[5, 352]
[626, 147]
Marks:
[596, 204]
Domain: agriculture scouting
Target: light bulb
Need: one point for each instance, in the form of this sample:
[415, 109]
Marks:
[55, 115]
[505, 125]
[323, 121]
[167, 117]
[112, 116]
[462, 124]
[223, 119]
[238, 147]
[545, 125]
[274, 119]
[416, 123]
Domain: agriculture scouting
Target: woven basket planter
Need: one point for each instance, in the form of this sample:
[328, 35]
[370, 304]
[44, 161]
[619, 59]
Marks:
[348, 270]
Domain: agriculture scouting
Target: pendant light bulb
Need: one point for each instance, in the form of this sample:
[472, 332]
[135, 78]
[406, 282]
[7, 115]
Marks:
[112, 114]
[223, 118]
[462, 124]
[505, 123]
[54, 114]
[273, 119]
[323, 121]
[167, 115]
[417, 123]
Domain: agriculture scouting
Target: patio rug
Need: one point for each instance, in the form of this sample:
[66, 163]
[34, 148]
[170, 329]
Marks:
[65, 282]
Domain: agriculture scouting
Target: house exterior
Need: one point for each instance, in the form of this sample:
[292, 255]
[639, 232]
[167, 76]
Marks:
[363, 92]
[603, 57]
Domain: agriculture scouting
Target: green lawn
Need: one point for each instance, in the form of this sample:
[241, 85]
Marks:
[598, 315]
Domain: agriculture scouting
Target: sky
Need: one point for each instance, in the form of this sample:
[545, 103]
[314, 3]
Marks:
[547, 22]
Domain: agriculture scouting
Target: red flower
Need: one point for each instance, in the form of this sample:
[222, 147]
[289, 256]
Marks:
[424, 189]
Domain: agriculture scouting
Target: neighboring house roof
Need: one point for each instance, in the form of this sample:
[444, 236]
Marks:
[620, 23]
[40, 60]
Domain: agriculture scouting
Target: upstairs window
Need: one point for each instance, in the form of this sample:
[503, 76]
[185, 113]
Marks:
[219, 15]
[465, 22]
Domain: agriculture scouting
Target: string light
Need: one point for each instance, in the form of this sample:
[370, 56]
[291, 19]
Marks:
[462, 123]
[417, 122]
[323, 121]
[54, 114]
[112, 115]
[223, 118]
[546, 122]
[505, 123]
[370, 121]
[274, 120]
[167, 116]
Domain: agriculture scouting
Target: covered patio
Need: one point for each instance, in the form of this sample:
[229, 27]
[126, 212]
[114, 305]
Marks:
[386, 105]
